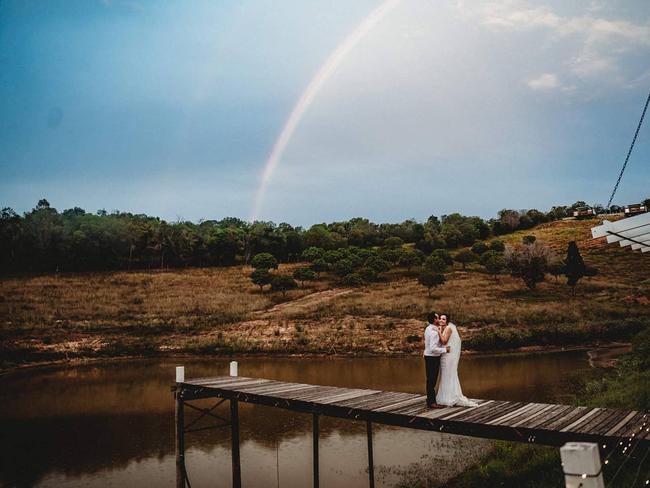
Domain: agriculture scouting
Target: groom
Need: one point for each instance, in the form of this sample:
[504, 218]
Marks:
[432, 351]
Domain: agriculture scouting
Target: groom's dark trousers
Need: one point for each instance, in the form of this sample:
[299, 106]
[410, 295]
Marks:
[432, 367]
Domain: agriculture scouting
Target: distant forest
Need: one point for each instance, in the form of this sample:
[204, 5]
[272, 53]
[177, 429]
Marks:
[45, 240]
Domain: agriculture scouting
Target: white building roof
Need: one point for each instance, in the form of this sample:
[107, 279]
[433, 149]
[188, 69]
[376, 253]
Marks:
[632, 231]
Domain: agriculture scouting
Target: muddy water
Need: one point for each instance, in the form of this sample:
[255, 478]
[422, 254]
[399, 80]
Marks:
[112, 424]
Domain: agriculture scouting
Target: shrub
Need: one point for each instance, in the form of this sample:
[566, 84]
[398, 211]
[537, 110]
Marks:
[264, 260]
[528, 239]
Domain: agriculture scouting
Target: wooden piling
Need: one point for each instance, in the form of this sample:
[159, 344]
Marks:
[315, 436]
[234, 430]
[371, 465]
[180, 439]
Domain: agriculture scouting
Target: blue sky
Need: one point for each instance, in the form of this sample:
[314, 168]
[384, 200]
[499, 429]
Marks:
[173, 108]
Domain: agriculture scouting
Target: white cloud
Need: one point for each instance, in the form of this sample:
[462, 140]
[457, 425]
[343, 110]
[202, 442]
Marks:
[593, 46]
[547, 81]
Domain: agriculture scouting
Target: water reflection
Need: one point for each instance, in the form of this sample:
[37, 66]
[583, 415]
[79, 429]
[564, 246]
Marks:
[113, 423]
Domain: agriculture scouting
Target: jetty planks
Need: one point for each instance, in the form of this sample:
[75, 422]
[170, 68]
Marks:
[541, 423]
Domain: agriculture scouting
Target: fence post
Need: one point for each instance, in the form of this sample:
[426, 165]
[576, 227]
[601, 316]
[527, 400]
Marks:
[581, 465]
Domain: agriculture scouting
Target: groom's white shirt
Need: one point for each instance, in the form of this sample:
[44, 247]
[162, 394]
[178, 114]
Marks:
[432, 346]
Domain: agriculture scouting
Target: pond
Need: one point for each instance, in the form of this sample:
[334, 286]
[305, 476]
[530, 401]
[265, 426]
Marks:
[112, 424]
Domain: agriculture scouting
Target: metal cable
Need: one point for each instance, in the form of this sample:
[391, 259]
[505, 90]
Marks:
[636, 133]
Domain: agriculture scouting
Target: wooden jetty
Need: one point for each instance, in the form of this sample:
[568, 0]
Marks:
[540, 423]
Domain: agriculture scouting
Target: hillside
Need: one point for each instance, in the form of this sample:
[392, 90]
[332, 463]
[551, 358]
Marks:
[219, 311]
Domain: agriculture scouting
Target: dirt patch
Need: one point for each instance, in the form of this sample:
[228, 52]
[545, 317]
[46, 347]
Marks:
[308, 301]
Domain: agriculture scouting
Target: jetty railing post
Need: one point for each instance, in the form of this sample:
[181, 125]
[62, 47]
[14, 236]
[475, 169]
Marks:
[315, 448]
[371, 464]
[581, 465]
[180, 428]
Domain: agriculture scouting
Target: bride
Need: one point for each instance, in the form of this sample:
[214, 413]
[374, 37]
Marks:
[449, 390]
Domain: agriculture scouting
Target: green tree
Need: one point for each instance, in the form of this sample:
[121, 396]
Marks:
[390, 255]
[333, 255]
[283, 283]
[367, 274]
[529, 262]
[378, 264]
[319, 266]
[352, 279]
[465, 256]
[480, 247]
[574, 268]
[493, 262]
[304, 274]
[393, 242]
[430, 280]
[261, 277]
[264, 260]
[435, 264]
[409, 258]
[343, 267]
[444, 255]
[497, 245]
[311, 254]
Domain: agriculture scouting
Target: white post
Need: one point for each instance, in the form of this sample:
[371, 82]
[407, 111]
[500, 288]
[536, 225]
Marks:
[233, 368]
[581, 465]
[180, 374]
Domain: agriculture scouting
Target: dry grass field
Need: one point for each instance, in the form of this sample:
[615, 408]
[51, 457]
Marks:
[218, 310]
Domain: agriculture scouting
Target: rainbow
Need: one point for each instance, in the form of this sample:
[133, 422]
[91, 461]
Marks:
[309, 94]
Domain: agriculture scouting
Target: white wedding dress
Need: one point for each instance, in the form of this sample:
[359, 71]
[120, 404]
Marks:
[449, 390]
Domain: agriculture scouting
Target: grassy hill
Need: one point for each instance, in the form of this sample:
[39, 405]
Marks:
[219, 311]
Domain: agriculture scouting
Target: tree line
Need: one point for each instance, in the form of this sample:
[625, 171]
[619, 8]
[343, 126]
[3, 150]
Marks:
[46, 240]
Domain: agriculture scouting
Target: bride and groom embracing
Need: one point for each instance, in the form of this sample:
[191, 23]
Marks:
[441, 354]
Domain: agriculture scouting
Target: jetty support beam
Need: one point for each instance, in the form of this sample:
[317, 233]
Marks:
[315, 449]
[234, 430]
[179, 415]
[371, 464]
